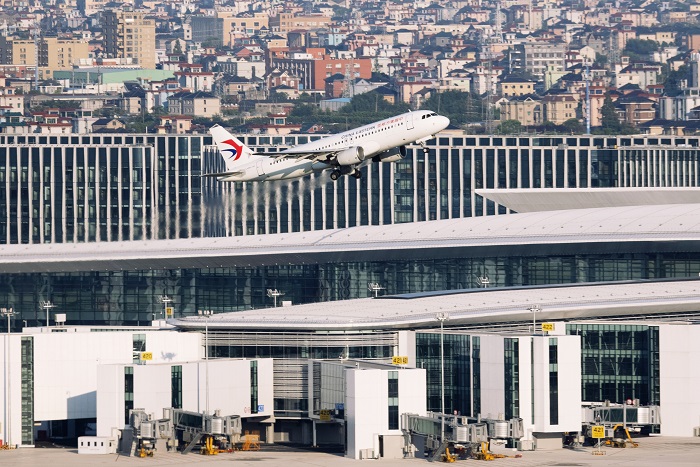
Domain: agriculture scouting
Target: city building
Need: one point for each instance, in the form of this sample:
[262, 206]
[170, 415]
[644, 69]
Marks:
[130, 34]
[286, 22]
[534, 58]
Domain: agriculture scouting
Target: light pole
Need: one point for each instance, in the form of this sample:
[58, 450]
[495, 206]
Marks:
[274, 293]
[8, 313]
[534, 309]
[206, 314]
[47, 305]
[165, 300]
[442, 317]
[374, 287]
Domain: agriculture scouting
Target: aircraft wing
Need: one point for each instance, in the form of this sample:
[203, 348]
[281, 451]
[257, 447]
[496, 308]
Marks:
[318, 155]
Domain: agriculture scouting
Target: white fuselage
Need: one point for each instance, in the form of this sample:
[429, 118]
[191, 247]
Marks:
[374, 138]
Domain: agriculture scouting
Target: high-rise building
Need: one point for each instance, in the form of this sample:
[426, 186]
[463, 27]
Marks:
[61, 54]
[129, 34]
[17, 52]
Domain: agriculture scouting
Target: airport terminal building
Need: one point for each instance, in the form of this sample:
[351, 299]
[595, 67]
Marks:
[102, 226]
[119, 187]
[605, 342]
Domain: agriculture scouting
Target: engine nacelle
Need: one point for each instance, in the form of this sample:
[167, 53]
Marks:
[392, 155]
[351, 156]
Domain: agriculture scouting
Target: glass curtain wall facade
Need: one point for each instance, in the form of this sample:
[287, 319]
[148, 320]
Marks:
[132, 297]
[619, 362]
[511, 377]
[458, 372]
[116, 187]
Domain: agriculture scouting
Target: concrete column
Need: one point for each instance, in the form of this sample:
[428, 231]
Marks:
[270, 433]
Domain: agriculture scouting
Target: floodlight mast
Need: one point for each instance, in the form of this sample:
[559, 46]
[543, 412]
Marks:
[534, 310]
[165, 300]
[47, 305]
[8, 313]
[375, 287]
[206, 314]
[274, 293]
[442, 317]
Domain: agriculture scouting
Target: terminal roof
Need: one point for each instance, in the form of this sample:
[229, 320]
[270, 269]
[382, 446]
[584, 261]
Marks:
[468, 307]
[674, 228]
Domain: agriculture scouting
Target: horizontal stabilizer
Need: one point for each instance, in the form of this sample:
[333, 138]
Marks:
[223, 174]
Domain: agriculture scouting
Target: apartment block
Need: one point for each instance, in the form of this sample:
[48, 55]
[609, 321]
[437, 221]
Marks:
[129, 34]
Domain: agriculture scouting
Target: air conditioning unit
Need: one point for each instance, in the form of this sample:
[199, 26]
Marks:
[526, 445]
[367, 453]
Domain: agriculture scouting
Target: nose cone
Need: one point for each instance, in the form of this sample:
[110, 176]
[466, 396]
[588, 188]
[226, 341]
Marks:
[442, 122]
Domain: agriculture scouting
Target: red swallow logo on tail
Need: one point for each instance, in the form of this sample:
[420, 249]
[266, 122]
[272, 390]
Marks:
[235, 152]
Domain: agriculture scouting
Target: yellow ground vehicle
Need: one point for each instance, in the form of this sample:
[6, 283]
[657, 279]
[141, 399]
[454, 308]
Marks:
[448, 457]
[146, 450]
[616, 442]
[484, 454]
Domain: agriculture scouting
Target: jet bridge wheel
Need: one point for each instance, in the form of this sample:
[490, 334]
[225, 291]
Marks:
[335, 175]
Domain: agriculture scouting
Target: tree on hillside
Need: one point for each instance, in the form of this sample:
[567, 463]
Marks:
[460, 107]
[609, 121]
[373, 102]
[509, 127]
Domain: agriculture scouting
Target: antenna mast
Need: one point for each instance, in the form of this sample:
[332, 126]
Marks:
[588, 99]
[36, 55]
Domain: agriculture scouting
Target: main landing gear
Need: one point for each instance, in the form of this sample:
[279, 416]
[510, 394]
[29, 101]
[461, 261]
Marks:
[335, 174]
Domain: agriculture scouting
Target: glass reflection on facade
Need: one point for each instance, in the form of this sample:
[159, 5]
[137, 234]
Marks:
[131, 297]
[116, 187]
[511, 377]
[619, 362]
[27, 375]
[457, 370]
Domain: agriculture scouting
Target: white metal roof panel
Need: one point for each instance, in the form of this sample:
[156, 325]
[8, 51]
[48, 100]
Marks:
[675, 226]
[556, 199]
[569, 302]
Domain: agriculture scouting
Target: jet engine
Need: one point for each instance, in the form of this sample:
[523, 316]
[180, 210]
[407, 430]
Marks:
[351, 156]
[392, 155]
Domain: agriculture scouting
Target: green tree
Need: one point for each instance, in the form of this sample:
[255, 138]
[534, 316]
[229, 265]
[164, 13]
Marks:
[640, 49]
[609, 121]
[672, 80]
[460, 107]
[509, 127]
[373, 102]
[573, 126]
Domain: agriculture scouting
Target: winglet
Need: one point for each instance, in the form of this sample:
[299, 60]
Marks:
[230, 147]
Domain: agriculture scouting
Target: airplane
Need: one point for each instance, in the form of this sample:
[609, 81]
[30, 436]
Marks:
[343, 153]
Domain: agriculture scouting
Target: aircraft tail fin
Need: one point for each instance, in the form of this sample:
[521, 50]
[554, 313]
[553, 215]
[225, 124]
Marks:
[231, 148]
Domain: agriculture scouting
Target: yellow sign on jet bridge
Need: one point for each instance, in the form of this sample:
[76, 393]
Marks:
[598, 431]
[146, 356]
[548, 327]
[399, 360]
